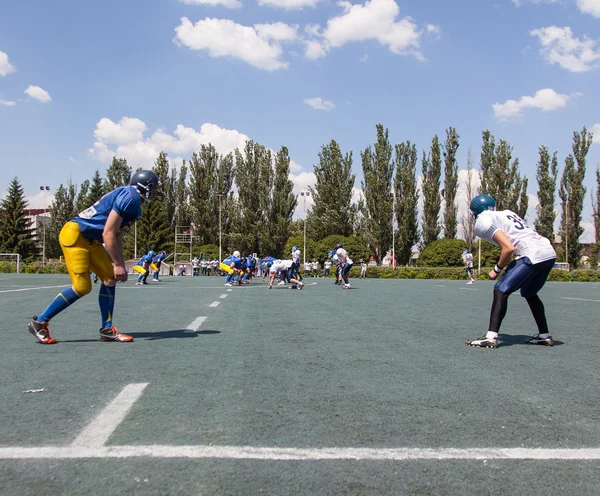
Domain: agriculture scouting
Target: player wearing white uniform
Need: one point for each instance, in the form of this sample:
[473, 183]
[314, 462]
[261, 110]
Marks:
[296, 253]
[535, 258]
[346, 264]
[285, 268]
[469, 266]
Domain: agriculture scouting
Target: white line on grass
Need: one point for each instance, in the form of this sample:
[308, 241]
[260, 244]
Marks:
[223, 296]
[468, 289]
[229, 290]
[214, 304]
[30, 289]
[103, 425]
[194, 326]
[269, 454]
[578, 299]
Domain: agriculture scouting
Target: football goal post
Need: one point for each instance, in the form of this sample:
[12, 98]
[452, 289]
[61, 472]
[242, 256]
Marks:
[12, 261]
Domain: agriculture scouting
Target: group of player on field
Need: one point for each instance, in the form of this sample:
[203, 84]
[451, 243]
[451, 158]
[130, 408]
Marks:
[93, 242]
[150, 261]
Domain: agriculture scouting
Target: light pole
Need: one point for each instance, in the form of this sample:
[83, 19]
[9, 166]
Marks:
[304, 195]
[394, 231]
[44, 189]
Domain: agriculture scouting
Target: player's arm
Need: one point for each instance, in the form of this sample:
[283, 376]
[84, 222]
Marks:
[113, 243]
[505, 244]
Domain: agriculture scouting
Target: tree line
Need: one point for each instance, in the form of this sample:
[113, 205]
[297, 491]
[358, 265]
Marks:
[246, 198]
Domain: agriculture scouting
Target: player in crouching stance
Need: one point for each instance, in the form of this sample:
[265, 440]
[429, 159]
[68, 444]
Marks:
[81, 242]
[345, 264]
[535, 259]
[286, 268]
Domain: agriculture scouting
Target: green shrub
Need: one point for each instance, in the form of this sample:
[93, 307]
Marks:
[8, 267]
[443, 253]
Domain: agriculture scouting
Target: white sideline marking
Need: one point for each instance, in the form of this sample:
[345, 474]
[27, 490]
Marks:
[252, 453]
[214, 304]
[468, 289]
[103, 425]
[30, 289]
[223, 296]
[578, 299]
[194, 326]
[439, 286]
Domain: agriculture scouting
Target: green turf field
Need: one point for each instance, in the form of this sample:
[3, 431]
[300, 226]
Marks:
[321, 391]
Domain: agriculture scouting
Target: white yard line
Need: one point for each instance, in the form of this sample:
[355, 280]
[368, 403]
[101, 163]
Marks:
[31, 289]
[223, 296]
[269, 454]
[579, 299]
[214, 304]
[229, 290]
[104, 424]
[194, 326]
[468, 289]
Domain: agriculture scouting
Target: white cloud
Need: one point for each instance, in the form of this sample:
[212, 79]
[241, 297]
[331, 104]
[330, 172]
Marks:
[596, 131]
[231, 4]
[126, 139]
[319, 104]
[315, 49]
[546, 99]
[289, 4]
[257, 45]
[38, 94]
[7, 103]
[559, 46]
[364, 58]
[591, 7]
[127, 130]
[374, 20]
[5, 66]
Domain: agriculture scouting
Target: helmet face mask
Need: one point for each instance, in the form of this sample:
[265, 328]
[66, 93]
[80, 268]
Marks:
[236, 254]
[147, 184]
[481, 203]
[338, 246]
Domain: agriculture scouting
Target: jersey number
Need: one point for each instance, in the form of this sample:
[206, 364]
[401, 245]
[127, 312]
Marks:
[519, 223]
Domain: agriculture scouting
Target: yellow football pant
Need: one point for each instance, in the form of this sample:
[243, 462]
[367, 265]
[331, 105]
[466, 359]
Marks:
[83, 256]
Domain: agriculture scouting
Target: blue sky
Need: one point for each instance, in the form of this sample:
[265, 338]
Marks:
[80, 81]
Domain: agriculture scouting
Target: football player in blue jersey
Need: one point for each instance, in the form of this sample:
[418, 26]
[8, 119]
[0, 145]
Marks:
[234, 262]
[158, 260]
[144, 267]
[81, 242]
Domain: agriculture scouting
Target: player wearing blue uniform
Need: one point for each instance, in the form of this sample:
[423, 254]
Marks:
[81, 241]
[534, 259]
[158, 260]
[234, 262]
[144, 263]
[249, 266]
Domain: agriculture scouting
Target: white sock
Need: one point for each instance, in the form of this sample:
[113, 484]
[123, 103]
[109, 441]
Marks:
[545, 335]
[491, 335]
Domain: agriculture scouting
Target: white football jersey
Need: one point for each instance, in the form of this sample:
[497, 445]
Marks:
[469, 259]
[280, 265]
[340, 252]
[526, 241]
[296, 256]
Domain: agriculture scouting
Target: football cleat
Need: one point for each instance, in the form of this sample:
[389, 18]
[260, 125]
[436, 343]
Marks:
[300, 285]
[41, 331]
[538, 340]
[483, 342]
[112, 334]
[228, 285]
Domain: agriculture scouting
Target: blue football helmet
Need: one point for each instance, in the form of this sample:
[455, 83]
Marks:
[481, 203]
[151, 253]
[294, 248]
[147, 184]
[331, 253]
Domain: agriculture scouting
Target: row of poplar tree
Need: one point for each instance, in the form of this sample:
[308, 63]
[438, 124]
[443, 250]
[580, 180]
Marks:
[247, 196]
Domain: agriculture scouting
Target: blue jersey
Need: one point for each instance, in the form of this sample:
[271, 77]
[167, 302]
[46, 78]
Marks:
[159, 258]
[249, 263]
[125, 201]
[235, 260]
[145, 258]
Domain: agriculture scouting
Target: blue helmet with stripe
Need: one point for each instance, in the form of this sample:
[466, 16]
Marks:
[481, 203]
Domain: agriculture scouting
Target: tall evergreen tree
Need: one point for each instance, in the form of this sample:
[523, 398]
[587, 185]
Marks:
[117, 174]
[378, 170]
[546, 178]
[96, 188]
[81, 201]
[499, 175]
[596, 217]
[16, 232]
[203, 175]
[467, 220]
[523, 200]
[407, 197]
[62, 211]
[224, 200]
[283, 205]
[450, 183]
[182, 209]
[254, 178]
[572, 194]
[332, 212]
[431, 169]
